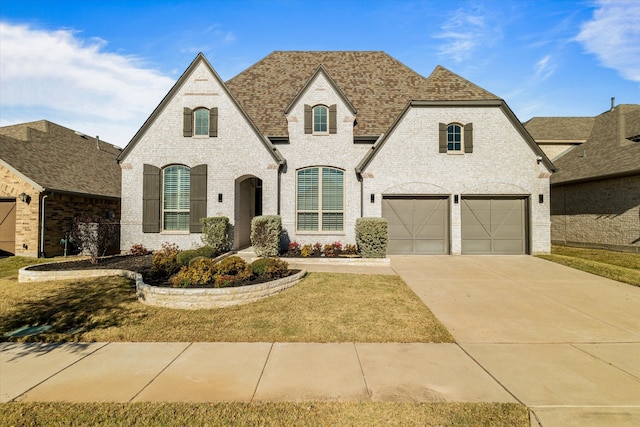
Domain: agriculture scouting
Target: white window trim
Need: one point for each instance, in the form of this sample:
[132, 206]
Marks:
[461, 150]
[313, 120]
[320, 231]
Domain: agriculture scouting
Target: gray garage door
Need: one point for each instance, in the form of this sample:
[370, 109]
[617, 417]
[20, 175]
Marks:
[494, 225]
[417, 224]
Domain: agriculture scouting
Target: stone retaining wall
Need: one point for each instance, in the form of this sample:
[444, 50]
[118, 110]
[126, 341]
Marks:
[190, 299]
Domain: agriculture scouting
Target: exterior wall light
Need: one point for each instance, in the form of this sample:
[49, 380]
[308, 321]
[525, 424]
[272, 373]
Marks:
[25, 198]
[219, 197]
[373, 198]
[540, 198]
[456, 199]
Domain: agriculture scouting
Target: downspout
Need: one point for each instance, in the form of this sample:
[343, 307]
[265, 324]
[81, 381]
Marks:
[278, 196]
[42, 221]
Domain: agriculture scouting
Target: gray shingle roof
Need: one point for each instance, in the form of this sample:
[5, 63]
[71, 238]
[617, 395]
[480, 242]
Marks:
[607, 151]
[57, 158]
[560, 128]
[378, 86]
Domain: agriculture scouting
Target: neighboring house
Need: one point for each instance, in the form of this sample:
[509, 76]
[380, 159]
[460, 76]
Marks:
[595, 193]
[49, 175]
[324, 138]
[557, 135]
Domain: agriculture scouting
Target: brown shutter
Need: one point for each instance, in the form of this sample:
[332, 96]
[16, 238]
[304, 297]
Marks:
[308, 120]
[198, 206]
[442, 142]
[187, 129]
[213, 122]
[333, 125]
[151, 184]
[468, 138]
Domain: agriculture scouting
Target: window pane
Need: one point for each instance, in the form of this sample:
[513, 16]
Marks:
[332, 189]
[320, 119]
[454, 138]
[202, 121]
[307, 221]
[332, 221]
[308, 189]
[176, 197]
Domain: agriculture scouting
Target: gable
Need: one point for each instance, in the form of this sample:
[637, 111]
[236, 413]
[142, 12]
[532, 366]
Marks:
[204, 85]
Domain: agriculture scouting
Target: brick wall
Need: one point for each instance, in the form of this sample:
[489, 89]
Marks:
[603, 214]
[11, 186]
[60, 209]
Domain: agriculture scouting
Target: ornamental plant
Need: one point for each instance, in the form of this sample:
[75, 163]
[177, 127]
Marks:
[306, 250]
[165, 260]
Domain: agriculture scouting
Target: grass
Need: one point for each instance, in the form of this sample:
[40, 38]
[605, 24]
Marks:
[620, 266]
[323, 307]
[265, 414]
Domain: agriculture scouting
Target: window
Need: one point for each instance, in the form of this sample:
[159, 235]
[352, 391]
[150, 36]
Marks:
[201, 121]
[176, 200]
[454, 138]
[320, 119]
[320, 199]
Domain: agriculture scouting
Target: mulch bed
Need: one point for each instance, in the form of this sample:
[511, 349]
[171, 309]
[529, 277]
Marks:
[140, 264]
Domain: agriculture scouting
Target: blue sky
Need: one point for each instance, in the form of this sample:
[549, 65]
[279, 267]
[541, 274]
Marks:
[101, 67]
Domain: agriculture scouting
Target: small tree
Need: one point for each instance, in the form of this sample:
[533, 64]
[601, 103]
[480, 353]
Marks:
[94, 235]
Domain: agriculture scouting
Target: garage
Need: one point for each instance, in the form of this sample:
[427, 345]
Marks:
[7, 227]
[494, 225]
[417, 224]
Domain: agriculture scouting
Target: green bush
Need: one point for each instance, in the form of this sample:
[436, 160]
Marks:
[185, 257]
[230, 266]
[201, 272]
[307, 250]
[269, 268]
[216, 233]
[165, 260]
[372, 237]
[265, 235]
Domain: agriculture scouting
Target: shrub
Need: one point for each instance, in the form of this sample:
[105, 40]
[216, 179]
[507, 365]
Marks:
[269, 268]
[185, 257]
[201, 272]
[337, 247]
[208, 252]
[216, 233]
[372, 237]
[306, 250]
[317, 248]
[165, 260]
[265, 235]
[350, 249]
[328, 250]
[139, 250]
[230, 266]
[94, 235]
[294, 248]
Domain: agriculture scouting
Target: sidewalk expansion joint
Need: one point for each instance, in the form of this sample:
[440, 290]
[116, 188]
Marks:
[364, 378]
[266, 360]
[160, 373]
[604, 361]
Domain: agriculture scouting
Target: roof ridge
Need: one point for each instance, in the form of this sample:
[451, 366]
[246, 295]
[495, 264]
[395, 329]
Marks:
[458, 76]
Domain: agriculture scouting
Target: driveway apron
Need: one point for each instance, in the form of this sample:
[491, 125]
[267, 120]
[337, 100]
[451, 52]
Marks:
[564, 342]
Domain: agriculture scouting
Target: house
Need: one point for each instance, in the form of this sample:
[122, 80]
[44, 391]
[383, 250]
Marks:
[557, 135]
[324, 138]
[595, 193]
[49, 175]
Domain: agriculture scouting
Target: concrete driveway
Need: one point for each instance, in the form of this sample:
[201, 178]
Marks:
[563, 342]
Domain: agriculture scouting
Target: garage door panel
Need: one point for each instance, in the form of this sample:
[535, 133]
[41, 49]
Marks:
[7, 226]
[417, 224]
[494, 225]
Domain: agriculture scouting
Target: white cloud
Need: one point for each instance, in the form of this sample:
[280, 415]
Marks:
[544, 68]
[613, 35]
[75, 82]
[466, 31]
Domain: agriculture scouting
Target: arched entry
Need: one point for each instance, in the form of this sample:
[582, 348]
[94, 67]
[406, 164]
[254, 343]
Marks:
[248, 204]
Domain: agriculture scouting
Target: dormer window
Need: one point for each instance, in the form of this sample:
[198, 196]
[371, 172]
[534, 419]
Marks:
[320, 119]
[455, 138]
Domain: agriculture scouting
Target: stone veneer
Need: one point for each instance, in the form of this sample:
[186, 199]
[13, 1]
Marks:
[190, 299]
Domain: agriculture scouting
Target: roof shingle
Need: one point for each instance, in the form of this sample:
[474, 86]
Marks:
[57, 158]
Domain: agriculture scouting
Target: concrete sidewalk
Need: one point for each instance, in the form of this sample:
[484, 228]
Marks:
[564, 342]
[245, 372]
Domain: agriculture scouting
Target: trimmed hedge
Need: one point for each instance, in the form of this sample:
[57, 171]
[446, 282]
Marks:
[372, 237]
[215, 233]
[185, 257]
[265, 235]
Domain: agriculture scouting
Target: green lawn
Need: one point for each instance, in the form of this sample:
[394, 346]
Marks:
[620, 266]
[265, 414]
